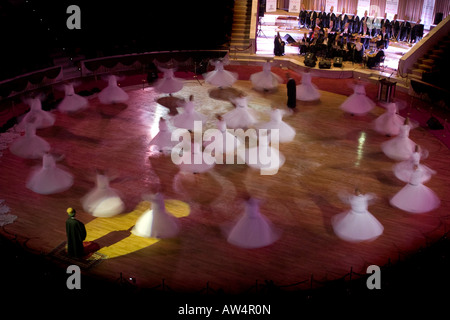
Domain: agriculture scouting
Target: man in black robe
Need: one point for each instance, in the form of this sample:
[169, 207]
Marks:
[291, 87]
[279, 44]
[76, 233]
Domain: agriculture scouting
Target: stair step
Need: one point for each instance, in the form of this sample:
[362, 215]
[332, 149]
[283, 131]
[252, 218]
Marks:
[428, 61]
[425, 67]
[240, 37]
[418, 72]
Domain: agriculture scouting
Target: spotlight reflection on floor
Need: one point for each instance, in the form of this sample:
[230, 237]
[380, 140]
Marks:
[114, 236]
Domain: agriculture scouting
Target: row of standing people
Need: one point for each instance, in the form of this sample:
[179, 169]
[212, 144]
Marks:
[398, 30]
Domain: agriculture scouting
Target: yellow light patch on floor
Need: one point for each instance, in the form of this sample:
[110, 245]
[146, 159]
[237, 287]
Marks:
[114, 234]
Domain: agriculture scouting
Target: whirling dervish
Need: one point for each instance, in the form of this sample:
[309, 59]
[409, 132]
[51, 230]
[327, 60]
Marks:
[112, 93]
[253, 229]
[29, 146]
[72, 102]
[168, 83]
[40, 118]
[265, 80]
[189, 116]
[357, 224]
[163, 139]
[306, 90]
[389, 122]
[358, 103]
[156, 222]
[192, 159]
[49, 178]
[404, 170]
[415, 197]
[102, 201]
[286, 132]
[226, 145]
[241, 116]
[263, 156]
[220, 77]
[400, 147]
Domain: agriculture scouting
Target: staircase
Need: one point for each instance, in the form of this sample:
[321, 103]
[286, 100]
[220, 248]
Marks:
[240, 31]
[431, 61]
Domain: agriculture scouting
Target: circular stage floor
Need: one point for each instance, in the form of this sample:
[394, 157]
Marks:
[332, 153]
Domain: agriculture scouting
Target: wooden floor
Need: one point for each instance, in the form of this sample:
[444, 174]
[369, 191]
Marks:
[332, 152]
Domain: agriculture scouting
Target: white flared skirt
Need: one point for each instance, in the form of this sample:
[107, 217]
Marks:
[221, 78]
[415, 199]
[103, 202]
[356, 226]
[169, 85]
[252, 233]
[265, 81]
[73, 103]
[358, 104]
[307, 92]
[153, 224]
[49, 180]
[398, 148]
[388, 124]
[33, 147]
[112, 95]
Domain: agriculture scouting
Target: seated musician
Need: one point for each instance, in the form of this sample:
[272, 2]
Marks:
[383, 37]
[365, 36]
[304, 44]
[346, 53]
[336, 47]
[358, 50]
[375, 58]
[314, 40]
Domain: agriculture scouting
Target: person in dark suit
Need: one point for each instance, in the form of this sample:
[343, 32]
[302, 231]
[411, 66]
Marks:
[354, 23]
[405, 29]
[416, 32]
[279, 44]
[311, 17]
[302, 16]
[323, 18]
[364, 19]
[341, 21]
[384, 22]
[76, 234]
[331, 17]
[395, 27]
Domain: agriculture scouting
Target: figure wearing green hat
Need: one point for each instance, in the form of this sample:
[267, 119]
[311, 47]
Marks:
[76, 233]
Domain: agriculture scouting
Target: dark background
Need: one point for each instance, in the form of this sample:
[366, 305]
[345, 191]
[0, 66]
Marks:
[107, 28]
